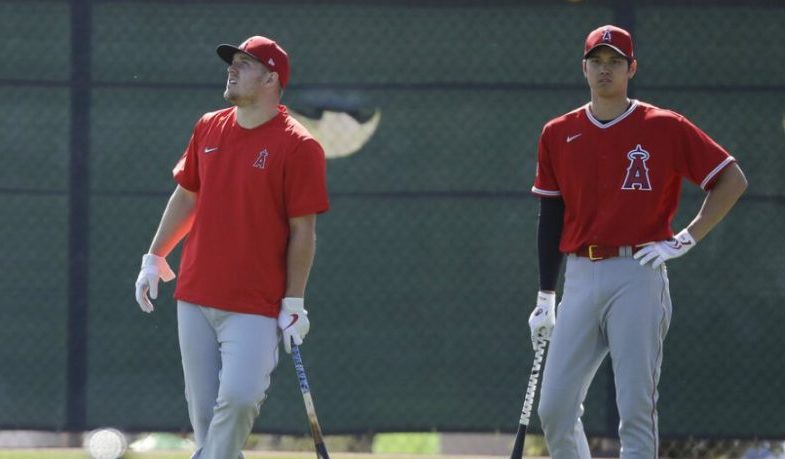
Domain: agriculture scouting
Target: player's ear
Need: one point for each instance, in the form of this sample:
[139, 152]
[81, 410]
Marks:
[583, 67]
[632, 69]
[268, 78]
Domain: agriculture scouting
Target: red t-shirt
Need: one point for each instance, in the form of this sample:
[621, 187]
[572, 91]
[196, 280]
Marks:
[621, 180]
[249, 182]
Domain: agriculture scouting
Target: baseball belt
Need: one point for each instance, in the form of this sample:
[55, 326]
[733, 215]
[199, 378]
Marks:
[596, 252]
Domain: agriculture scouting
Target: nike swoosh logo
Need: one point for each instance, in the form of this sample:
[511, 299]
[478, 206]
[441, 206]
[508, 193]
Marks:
[209, 150]
[570, 138]
[295, 318]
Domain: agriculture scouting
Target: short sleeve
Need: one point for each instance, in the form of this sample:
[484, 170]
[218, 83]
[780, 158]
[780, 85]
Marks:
[701, 159]
[186, 171]
[305, 180]
[545, 183]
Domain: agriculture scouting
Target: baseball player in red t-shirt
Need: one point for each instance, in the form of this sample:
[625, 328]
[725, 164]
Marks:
[249, 186]
[609, 176]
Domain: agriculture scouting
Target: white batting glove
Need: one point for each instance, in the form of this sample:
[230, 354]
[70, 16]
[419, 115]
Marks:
[659, 252]
[154, 268]
[293, 322]
[543, 318]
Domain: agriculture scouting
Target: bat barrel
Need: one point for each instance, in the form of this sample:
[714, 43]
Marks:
[517, 448]
[528, 401]
[310, 410]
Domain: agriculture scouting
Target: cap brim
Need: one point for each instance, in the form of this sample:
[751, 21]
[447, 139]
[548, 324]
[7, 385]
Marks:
[609, 46]
[227, 52]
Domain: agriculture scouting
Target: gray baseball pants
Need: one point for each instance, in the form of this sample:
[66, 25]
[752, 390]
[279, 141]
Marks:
[611, 306]
[227, 361]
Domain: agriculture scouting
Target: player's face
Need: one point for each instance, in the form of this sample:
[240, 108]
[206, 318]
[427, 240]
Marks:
[608, 72]
[245, 79]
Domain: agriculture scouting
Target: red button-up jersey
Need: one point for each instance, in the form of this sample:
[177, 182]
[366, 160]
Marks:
[621, 180]
[249, 182]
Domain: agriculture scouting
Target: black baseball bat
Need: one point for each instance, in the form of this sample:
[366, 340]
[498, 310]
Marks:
[528, 401]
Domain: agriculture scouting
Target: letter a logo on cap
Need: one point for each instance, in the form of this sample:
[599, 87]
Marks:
[271, 62]
[606, 35]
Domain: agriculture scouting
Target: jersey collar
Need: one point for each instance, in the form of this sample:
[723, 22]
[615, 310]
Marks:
[596, 122]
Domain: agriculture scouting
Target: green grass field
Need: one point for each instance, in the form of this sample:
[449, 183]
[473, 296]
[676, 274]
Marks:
[161, 445]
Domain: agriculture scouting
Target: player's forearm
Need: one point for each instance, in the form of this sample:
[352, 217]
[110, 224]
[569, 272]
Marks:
[175, 223]
[719, 201]
[300, 254]
[549, 229]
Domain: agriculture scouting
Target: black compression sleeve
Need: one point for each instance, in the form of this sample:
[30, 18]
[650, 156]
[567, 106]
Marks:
[549, 228]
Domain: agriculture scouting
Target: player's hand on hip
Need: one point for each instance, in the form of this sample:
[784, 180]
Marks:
[543, 318]
[154, 268]
[658, 253]
[293, 322]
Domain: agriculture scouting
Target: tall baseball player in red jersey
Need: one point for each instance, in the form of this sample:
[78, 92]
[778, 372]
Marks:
[609, 176]
[249, 186]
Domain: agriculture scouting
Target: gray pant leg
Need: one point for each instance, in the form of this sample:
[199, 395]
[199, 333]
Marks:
[248, 347]
[615, 305]
[575, 353]
[201, 363]
[637, 323]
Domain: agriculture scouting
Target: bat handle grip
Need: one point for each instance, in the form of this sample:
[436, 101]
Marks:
[300, 369]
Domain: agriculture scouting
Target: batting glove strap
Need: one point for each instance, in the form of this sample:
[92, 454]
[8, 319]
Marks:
[293, 322]
[152, 263]
[658, 253]
[543, 317]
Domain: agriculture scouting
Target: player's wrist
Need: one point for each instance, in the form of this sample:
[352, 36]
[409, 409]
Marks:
[546, 300]
[158, 265]
[151, 259]
[546, 296]
[685, 237]
[291, 303]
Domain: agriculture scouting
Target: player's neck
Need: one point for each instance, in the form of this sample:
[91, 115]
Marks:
[608, 108]
[254, 115]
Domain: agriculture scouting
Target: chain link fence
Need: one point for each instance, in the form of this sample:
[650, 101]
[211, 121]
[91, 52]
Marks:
[430, 113]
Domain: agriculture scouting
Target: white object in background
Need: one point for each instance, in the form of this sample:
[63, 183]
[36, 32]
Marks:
[339, 133]
[105, 443]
